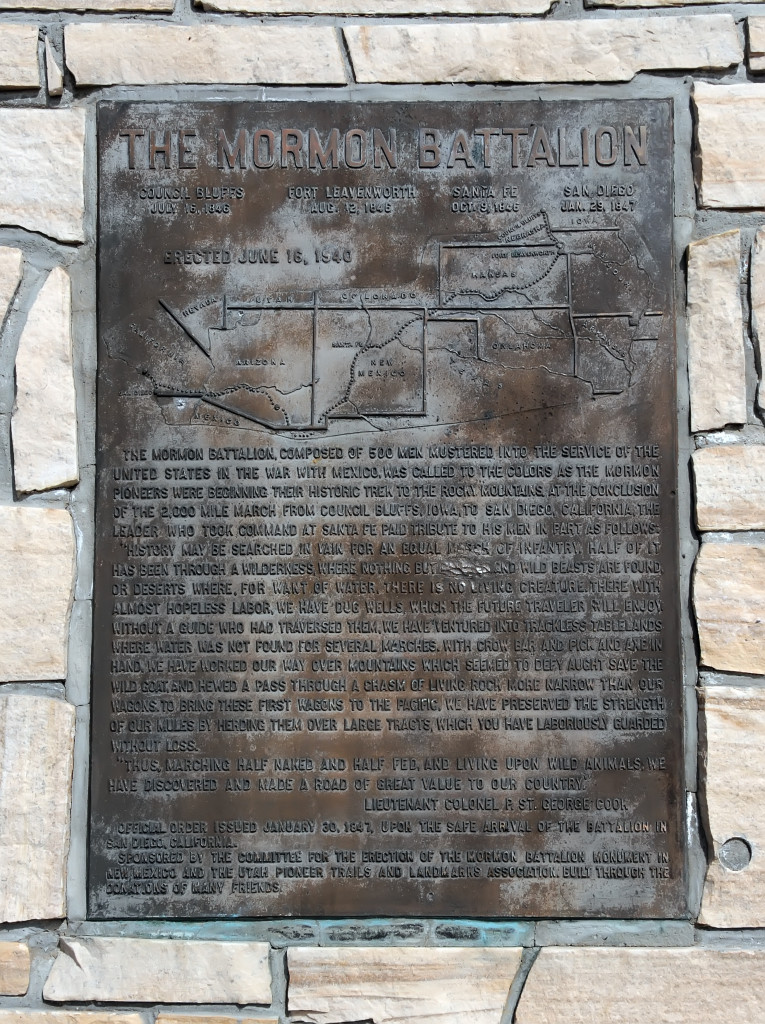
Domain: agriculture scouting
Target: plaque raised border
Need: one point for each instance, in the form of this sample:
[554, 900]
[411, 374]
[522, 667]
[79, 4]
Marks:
[386, 609]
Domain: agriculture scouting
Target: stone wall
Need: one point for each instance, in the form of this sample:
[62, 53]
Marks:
[57, 58]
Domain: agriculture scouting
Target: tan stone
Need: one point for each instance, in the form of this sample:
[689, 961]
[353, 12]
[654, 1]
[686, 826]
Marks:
[730, 174]
[756, 34]
[716, 366]
[733, 790]
[14, 968]
[581, 985]
[11, 266]
[68, 1017]
[730, 487]
[18, 57]
[89, 5]
[395, 985]
[36, 751]
[729, 601]
[41, 171]
[113, 53]
[189, 1018]
[36, 579]
[540, 51]
[44, 422]
[381, 7]
[159, 971]
[53, 72]
[654, 3]
[757, 300]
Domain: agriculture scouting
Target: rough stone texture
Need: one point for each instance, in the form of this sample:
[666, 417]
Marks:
[11, 266]
[188, 1018]
[540, 51]
[394, 985]
[716, 365]
[653, 3]
[159, 971]
[14, 968]
[734, 792]
[380, 7]
[756, 33]
[68, 1017]
[36, 576]
[757, 300]
[53, 72]
[87, 5]
[730, 487]
[729, 173]
[18, 57]
[44, 423]
[36, 751]
[41, 171]
[624, 986]
[729, 601]
[103, 53]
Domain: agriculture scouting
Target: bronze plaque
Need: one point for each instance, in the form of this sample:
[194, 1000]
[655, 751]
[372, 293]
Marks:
[386, 594]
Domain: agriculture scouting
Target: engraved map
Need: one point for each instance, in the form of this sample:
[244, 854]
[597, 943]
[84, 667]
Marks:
[575, 303]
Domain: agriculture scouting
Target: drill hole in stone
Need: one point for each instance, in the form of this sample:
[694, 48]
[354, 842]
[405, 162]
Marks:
[735, 854]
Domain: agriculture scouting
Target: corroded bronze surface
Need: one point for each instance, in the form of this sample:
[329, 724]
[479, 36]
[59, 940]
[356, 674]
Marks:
[386, 597]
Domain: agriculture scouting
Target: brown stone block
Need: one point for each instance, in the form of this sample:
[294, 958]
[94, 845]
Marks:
[392, 985]
[730, 487]
[36, 578]
[36, 751]
[729, 602]
[716, 368]
[731, 170]
[41, 171]
[625, 986]
[159, 971]
[14, 968]
[125, 53]
[733, 796]
[540, 51]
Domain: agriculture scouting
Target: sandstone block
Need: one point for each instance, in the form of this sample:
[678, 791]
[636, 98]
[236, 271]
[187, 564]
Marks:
[540, 51]
[68, 1017]
[756, 32]
[192, 1018]
[730, 487]
[14, 968]
[18, 57]
[729, 601]
[41, 171]
[622, 986]
[395, 985]
[650, 3]
[757, 299]
[36, 751]
[53, 72]
[734, 795]
[36, 577]
[44, 422]
[730, 174]
[102, 53]
[380, 7]
[89, 5]
[716, 366]
[159, 971]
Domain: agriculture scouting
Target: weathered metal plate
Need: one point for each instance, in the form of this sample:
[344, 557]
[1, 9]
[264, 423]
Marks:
[386, 596]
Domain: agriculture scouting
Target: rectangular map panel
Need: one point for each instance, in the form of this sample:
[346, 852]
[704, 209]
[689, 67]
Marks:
[386, 590]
